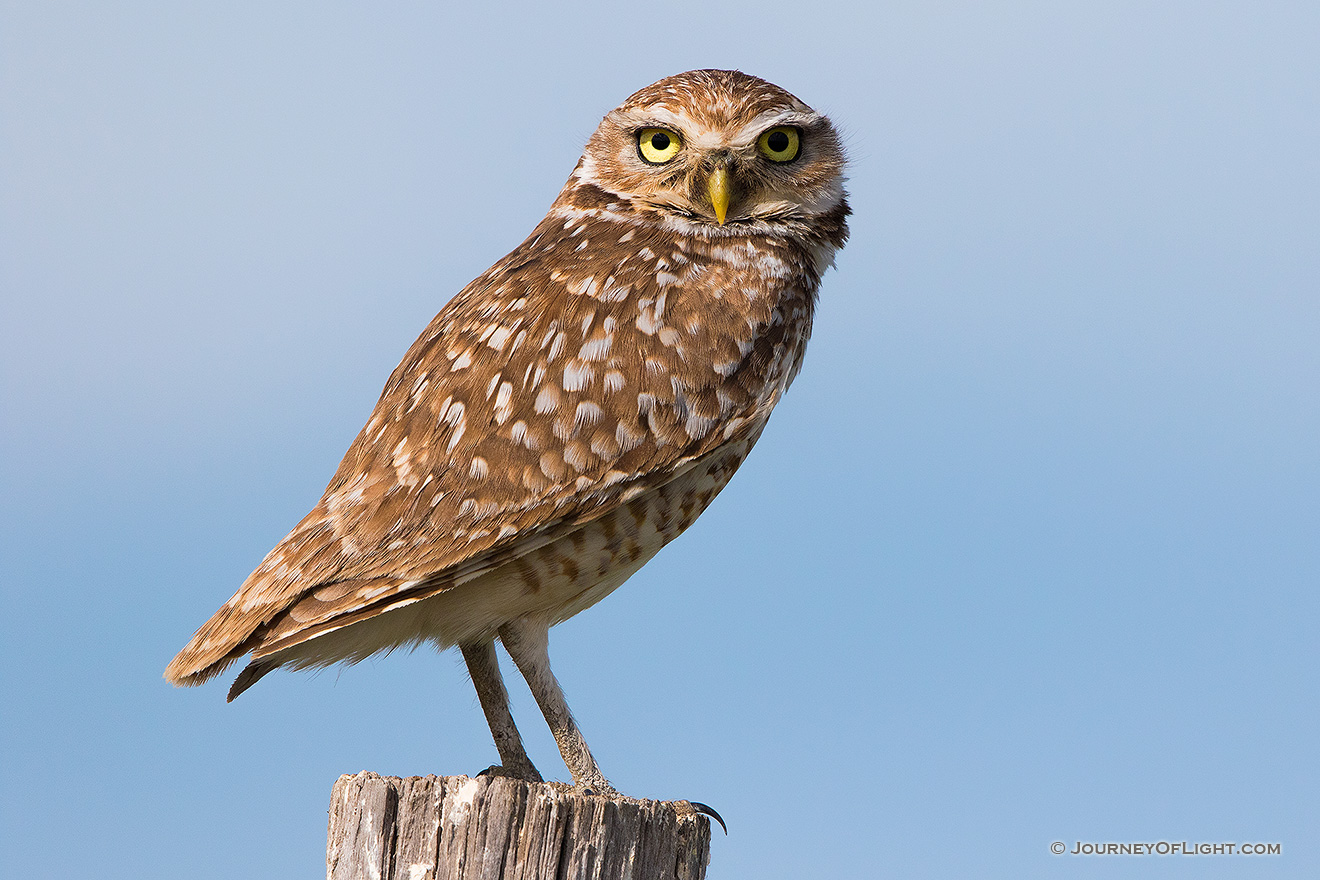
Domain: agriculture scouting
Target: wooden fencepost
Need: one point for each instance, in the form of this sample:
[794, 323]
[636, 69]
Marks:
[464, 828]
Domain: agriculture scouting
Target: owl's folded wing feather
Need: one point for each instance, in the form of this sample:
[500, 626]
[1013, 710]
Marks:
[537, 400]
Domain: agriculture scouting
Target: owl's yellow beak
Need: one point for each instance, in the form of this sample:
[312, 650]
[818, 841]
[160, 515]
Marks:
[718, 187]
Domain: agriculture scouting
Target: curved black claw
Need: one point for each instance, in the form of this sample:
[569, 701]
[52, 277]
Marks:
[596, 789]
[709, 811]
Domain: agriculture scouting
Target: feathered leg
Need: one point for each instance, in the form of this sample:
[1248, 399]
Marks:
[528, 644]
[484, 667]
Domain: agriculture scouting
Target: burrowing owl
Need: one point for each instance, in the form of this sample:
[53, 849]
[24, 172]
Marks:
[570, 412]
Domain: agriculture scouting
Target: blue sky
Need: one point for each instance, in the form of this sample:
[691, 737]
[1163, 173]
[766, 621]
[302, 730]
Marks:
[1029, 553]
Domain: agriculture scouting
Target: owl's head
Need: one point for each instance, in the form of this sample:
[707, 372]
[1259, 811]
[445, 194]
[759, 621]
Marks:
[717, 149]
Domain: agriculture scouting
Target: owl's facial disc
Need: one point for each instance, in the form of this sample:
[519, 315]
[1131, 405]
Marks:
[717, 150]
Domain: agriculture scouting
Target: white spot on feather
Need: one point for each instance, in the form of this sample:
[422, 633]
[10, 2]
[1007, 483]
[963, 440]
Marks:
[577, 457]
[605, 446]
[627, 437]
[557, 347]
[401, 458]
[612, 292]
[577, 375]
[518, 433]
[587, 413]
[502, 398]
[698, 426]
[547, 401]
[455, 417]
[596, 349]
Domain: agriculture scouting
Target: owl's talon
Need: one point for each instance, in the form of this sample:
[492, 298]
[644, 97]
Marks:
[598, 788]
[703, 809]
[527, 774]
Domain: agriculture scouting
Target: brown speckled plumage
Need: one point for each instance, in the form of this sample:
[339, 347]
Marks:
[571, 410]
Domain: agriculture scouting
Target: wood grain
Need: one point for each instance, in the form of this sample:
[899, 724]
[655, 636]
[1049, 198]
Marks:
[464, 828]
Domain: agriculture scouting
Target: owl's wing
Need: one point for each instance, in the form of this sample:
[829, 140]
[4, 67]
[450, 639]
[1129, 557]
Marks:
[545, 395]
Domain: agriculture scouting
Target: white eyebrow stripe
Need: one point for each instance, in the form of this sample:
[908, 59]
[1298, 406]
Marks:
[697, 135]
[662, 117]
[693, 134]
[771, 118]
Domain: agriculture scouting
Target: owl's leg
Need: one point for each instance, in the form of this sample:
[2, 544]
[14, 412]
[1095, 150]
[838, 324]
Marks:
[484, 667]
[528, 644]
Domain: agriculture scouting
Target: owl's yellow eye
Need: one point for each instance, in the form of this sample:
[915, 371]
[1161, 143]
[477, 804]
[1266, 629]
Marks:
[658, 145]
[780, 144]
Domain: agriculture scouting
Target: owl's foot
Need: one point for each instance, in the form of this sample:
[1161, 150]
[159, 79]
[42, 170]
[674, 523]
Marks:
[527, 773]
[594, 784]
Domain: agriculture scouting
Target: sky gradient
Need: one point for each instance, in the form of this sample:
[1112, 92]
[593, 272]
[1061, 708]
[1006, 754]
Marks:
[1029, 553]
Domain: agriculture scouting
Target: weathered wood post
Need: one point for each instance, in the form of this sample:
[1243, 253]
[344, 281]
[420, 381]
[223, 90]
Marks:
[459, 827]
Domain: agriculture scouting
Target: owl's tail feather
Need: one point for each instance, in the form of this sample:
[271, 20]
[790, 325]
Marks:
[223, 639]
[249, 676]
